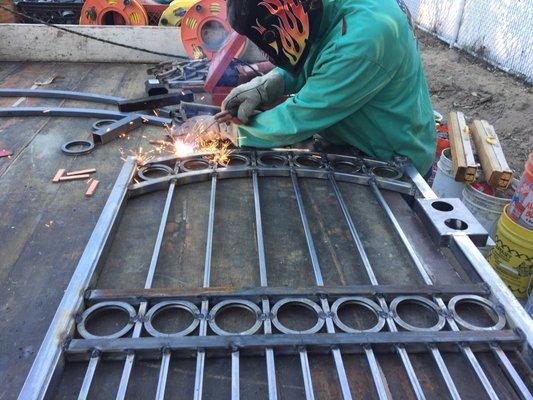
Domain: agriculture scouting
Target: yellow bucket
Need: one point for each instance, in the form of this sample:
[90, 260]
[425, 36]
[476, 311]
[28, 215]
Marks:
[512, 257]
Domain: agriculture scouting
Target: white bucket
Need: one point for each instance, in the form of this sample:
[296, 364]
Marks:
[486, 208]
[444, 184]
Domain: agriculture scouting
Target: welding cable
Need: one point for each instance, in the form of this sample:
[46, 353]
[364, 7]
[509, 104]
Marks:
[126, 46]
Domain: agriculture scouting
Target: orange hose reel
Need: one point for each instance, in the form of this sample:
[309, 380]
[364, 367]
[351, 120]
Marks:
[204, 28]
[113, 12]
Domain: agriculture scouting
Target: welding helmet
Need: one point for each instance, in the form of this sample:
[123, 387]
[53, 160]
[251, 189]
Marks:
[283, 29]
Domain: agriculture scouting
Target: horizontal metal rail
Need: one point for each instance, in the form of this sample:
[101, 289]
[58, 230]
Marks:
[60, 94]
[135, 296]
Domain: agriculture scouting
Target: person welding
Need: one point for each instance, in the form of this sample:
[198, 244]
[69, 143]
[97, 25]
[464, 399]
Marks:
[354, 69]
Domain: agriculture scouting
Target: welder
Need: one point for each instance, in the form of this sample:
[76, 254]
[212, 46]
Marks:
[351, 69]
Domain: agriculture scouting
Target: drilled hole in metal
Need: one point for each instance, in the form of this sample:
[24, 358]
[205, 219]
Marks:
[387, 172]
[235, 319]
[172, 319]
[417, 314]
[297, 317]
[195, 165]
[456, 224]
[476, 314]
[442, 206]
[347, 167]
[308, 161]
[106, 321]
[272, 160]
[357, 316]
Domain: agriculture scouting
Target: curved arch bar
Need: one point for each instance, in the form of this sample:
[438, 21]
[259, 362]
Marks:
[60, 94]
[77, 112]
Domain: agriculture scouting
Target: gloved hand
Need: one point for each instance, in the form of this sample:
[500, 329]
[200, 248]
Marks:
[244, 99]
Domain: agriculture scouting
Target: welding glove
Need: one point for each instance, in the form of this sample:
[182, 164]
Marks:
[243, 101]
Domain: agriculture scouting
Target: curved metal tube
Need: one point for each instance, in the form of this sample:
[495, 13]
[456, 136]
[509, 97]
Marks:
[60, 94]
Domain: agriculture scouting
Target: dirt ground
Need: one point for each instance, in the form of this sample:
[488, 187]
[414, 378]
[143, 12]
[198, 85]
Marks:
[459, 82]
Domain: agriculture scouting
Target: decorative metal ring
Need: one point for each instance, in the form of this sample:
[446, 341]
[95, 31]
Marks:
[181, 305]
[112, 305]
[192, 163]
[385, 171]
[487, 305]
[87, 147]
[244, 304]
[422, 301]
[103, 122]
[143, 171]
[308, 161]
[272, 160]
[311, 305]
[364, 302]
[242, 161]
[354, 166]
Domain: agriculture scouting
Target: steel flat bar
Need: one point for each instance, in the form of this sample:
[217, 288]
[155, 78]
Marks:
[200, 360]
[163, 374]
[134, 296]
[339, 364]
[511, 373]
[263, 277]
[50, 352]
[415, 383]
[87, 380]
[77, 112]
[428, 280]
[128, 365]
[306, 374]
[60, 94]
[235, 387]
[83, 346]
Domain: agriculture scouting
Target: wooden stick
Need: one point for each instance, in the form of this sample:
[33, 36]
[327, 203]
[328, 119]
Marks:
[58, 176]
[464, 164]
[82, 172]
[92, 188]
[74, 177]
[490, 153]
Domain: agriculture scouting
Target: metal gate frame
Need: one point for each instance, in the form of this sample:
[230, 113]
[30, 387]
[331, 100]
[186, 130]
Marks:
[61, 341]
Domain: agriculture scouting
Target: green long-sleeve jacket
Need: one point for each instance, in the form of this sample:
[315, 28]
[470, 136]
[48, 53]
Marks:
[363, 85]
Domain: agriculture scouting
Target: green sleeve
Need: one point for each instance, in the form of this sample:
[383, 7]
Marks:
[293, 83]
[337, 88]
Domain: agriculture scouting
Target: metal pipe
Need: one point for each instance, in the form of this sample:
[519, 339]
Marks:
[200, 355]
[263, 278]
[339, 364]
[50, 352]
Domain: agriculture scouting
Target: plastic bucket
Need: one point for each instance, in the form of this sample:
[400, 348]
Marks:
[486, 208]
[512, 257]
[521, 208]
[444, 184]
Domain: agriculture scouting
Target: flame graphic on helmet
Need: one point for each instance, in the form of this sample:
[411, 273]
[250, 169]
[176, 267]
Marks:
[293, 27]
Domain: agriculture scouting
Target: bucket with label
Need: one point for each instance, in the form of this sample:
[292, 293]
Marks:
[521, 208]
[485, 204]
[444, 184]
[512, 257]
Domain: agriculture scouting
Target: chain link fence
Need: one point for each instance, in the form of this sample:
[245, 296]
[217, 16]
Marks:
[497, 31]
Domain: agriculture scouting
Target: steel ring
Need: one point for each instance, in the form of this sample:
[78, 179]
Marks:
[385, 171]
[489, 307]
[242, 161]
[103, 122]
[244, 304]
[143, 171]
[311, 305]
[355, 167]
[315, 161]
[112, 305]
[278, 160]
[190, 164]
[362, 301]
[87, 147]
[182, 305]
[428, 304]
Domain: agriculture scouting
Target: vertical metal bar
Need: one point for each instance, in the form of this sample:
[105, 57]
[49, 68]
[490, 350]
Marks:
[200, 354]
[50, 352]
[469, 354]
[415, 383]
[337, 356]
[91, 368]
[271, 367]
[235, 387]
[511, 373]
[306, 372]
[130, 358]
[163, 373]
